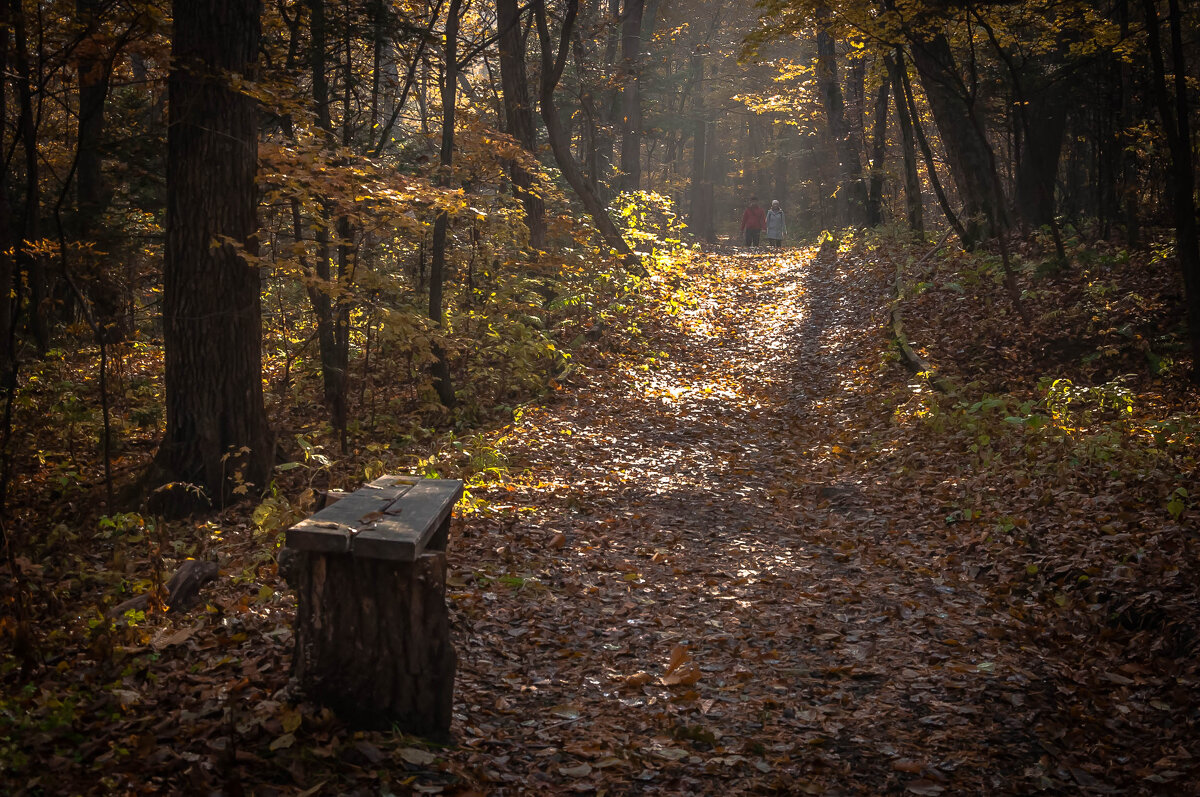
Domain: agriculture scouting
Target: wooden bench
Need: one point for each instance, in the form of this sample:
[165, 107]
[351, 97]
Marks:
[372, 629]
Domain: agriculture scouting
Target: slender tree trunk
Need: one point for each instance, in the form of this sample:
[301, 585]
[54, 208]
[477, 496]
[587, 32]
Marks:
[1129, 159]
[552, 68]
[441, 224]
[332, 315]
[94, 70]
[217, 432]
[631, 96]
[32, 264]
[1182, 177]
[968, 241]
[9, 310]
[913, 201]
[518, 114]
[605, 141]
[878, 152]
[852, 193]
[785, 147]
[700, 216]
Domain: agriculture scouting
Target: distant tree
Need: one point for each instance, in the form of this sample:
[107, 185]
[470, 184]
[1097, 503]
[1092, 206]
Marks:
[518, 113]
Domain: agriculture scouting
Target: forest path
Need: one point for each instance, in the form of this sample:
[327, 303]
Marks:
[732, 497]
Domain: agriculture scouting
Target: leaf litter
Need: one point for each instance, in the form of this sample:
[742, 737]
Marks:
[735, 557]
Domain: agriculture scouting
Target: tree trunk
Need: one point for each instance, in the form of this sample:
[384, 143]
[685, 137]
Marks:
[631, 97]
[968, 241]
[518, 114]
[217, 433]
[32, 264]
[332, 316]
[552, 68]
[967, 151]
[785, 147]
[1129, 158]
[9, 288]
[1182, 176]
[437, 260]
[913, 201]
[852, 192]
[605, 141]
[373, 639]
[94, 69]
[878, 152]
[700, 216]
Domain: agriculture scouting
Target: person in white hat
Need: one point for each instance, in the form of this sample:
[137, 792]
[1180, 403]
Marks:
[775, 226]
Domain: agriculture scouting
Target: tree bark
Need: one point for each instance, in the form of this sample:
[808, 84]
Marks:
[32, 264]
[94, 70]
[852, 192]
[437, 260]
[967, 151]
[217, 432]
[878, 152]
[518, 115]
[913, 201]
[700, 215]
[952, 218]
[552, 68]
[631, 96]
[9, 287]
[373, 639]
[1182, 177]
[333, 341]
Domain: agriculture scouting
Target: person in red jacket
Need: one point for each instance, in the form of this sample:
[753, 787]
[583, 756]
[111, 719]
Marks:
[754, 221]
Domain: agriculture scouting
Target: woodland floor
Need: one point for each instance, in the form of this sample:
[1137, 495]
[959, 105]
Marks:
[723, 568]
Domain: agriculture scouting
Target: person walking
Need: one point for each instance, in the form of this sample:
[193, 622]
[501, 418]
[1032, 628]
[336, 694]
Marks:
[753, 222]
[775, 226]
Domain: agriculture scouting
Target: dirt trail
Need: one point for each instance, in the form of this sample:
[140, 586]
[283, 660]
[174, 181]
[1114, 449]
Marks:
[736, 498]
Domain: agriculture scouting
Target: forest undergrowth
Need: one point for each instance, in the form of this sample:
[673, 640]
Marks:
[737, 548]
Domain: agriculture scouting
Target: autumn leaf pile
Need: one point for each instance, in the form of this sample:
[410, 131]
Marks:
[742, 551]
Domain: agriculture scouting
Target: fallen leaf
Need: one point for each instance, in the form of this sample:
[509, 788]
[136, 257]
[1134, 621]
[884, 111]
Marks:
[414, 755]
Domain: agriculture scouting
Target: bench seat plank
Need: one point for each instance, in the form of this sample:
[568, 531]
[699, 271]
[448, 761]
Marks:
[410, 522]
[393, 517]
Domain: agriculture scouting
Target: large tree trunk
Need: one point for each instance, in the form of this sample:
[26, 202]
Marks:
[852, 192]
[913, 201]
[518, 115]
[552, 68]
[967, 150]
[217, 432]
[631, 96]
[1182, 177]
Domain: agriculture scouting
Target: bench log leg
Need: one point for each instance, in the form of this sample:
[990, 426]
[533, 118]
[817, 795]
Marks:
[440, 537]
[373, 640]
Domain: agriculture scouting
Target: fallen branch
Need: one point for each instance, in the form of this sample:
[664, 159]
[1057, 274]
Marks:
[915, 362]
[182, 589]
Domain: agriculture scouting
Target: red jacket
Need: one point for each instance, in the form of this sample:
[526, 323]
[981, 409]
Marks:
[755, 218]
